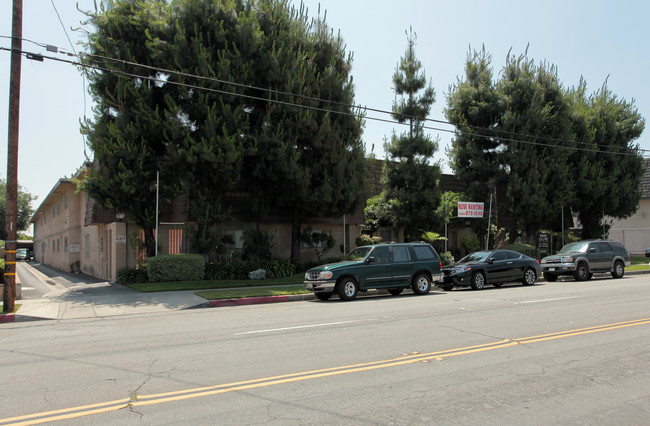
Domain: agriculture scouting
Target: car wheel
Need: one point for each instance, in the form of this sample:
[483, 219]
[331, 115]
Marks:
[347, 289]
[619, 269]
[323, 296]
[421, 284]
[478, 281]
[582, 272]
[447, 287]
[497, 285]
[550, 277]
[395, 291]
[529, 277]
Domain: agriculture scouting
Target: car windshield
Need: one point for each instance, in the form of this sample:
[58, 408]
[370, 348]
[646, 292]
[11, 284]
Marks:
[358, 254]
[479, 256]
[580, 247]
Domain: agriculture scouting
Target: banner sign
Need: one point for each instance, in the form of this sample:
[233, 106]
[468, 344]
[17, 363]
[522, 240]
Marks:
[469, 209]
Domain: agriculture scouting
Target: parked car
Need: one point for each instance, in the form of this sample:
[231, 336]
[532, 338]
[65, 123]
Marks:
[584, 258]
[494, 267]
[390, 266]
[647, 252]
[23, 254]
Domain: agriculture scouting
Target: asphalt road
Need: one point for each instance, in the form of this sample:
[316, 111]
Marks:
[555, 353]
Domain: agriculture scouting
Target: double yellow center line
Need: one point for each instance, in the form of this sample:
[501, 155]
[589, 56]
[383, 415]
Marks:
[142, 400]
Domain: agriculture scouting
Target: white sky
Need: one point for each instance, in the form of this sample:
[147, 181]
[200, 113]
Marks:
[589, 38]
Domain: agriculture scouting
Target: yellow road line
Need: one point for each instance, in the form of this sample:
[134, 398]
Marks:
[104, 407]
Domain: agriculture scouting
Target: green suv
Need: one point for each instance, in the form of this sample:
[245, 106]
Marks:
[581, 259]
[390, 266]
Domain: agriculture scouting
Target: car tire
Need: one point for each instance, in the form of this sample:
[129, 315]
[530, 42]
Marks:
[347, 289]
[323, 296]
[447, 287]
[395, 291]
[530, 276]
[550, 277]
[421, 284]
[619, 269]
[478, 281]
[582, 272]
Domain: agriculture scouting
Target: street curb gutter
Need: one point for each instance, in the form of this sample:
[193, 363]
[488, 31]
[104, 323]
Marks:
[7, 317]
[259, 300]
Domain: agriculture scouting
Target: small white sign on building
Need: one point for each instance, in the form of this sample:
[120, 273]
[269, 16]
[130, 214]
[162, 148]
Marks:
[470, 209]
[75, 248]
[120, 239]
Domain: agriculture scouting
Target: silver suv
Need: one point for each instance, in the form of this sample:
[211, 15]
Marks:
[584, 258]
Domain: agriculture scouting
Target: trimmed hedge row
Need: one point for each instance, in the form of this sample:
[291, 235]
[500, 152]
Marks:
[176, 267]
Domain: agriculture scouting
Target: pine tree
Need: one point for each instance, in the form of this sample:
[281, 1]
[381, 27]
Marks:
[410, 181]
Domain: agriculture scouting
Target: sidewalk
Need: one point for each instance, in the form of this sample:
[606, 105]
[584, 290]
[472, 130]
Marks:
[82, 296]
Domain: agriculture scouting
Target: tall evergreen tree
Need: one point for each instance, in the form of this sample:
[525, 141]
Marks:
[411, 182]
[607, 167]
[133, 131]
[306, 158]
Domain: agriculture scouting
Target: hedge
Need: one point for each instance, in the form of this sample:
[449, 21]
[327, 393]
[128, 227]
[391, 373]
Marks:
[176, 267]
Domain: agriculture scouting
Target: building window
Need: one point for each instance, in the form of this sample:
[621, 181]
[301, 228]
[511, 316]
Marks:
[65, 201]
[58, 244]
[65, 244]
[175, 236]
[234, 239]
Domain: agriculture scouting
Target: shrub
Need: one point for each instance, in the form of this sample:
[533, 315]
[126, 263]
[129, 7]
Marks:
[176, 267]
[367, 240]
[240, 270]
[526, 249]
[132, 276]
[447, 258]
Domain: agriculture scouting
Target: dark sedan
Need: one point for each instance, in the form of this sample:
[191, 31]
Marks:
[494, 267]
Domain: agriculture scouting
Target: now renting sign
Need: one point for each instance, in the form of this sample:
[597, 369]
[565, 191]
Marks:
[470, 209]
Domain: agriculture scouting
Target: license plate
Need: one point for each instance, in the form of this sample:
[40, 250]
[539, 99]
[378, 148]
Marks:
[310, 287]
[551, 269]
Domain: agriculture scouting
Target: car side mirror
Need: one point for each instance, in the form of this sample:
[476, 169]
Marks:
[371, 259]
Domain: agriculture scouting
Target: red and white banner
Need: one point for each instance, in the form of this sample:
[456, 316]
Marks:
[469, 209]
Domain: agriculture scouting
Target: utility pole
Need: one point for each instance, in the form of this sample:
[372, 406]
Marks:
[12, 158]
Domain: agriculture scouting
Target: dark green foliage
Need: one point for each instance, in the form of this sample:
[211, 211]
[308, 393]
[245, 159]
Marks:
[292, 147]
[176, 267]
[410, 181]
[239, 270]
[257, 244]
[132, 276]
[322, 242]
[544, 144]
[609, 168]
[527, 249]
[25, 209]
[367, 240]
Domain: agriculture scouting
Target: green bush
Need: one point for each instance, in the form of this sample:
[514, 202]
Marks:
[526, 249]
[367, 240]
[176, 267]
[240, 270]
[132, 276]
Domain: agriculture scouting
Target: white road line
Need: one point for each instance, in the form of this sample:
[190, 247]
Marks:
[547, 300]
[297, 327]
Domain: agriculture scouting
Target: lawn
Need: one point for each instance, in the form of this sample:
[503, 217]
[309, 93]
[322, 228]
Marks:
[252, 292]
[296, 279]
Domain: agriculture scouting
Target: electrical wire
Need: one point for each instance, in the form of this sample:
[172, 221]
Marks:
[592, 148]
[83, 137]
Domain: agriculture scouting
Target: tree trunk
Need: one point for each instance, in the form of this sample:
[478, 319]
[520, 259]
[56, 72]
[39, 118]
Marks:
[149, 240]
[295, 238]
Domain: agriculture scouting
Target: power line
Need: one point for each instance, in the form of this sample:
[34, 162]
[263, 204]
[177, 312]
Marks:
[590, 148]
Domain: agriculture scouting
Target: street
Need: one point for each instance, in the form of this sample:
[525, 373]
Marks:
[554, 353]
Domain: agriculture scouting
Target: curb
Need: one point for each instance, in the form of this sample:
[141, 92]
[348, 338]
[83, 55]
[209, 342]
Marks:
[259, 300]
[7, 317]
